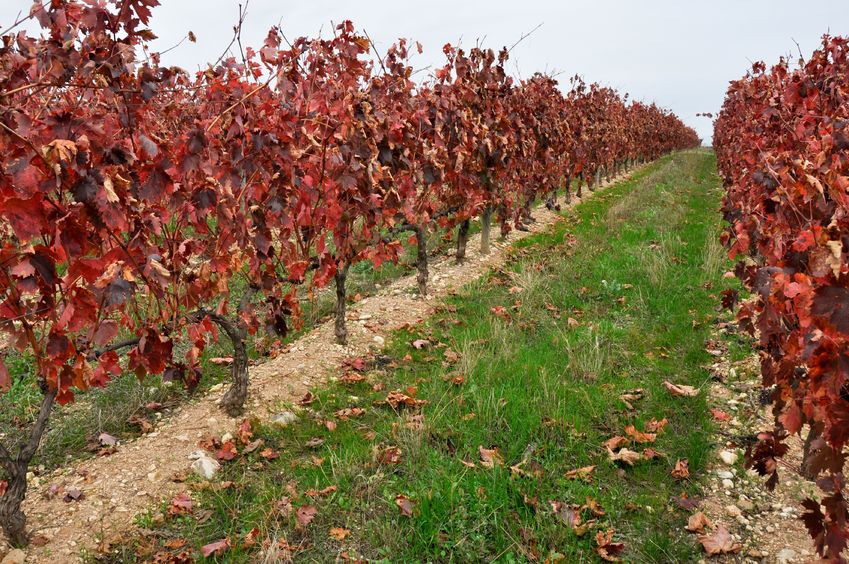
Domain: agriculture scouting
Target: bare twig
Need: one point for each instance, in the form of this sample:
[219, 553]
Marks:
[525, 36]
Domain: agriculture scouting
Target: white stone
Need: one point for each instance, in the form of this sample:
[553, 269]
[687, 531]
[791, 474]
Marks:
[284, 419]
[15, 556]
[728, 484]
[379, 340]
[728, 457]
[206, 467]
[785, 556]
[725, 474]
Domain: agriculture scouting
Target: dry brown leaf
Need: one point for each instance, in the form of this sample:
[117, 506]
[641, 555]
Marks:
[680, 389]
[655, 426]
[606, 548]
[339, 533]
[490, 457]
[616, 442]
[639, 436]
[625, 455]
[305, 514]
[682, 469]
[720, 542]
[584, 473]
[405, 504]
[697, 523]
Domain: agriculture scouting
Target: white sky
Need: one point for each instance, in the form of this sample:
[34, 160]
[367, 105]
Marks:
[678, 53]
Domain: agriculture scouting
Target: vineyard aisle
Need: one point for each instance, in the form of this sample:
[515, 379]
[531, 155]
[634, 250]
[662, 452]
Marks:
[527, 418]
[119, 487]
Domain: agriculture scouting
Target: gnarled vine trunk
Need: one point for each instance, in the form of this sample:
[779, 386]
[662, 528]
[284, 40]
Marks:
[234, 399]
[462, 239]
[12, 518]
[421, 259]
[341, 327]
[486, 224]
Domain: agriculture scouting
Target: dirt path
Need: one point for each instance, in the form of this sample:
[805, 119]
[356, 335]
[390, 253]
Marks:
[766, 524]
[119, 487]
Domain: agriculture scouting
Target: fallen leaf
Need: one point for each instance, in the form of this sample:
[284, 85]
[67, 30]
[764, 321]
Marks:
[680, 389]
[655, 426]
[221, 360]
[616, 442]
[307, 399]
[639, 436]
[227, 451]
[606, 548]
[566, 513]
[252, 446]
[269, 454]
[682, 469]
[650, 454]
[594, 507]
[697, 523]
[322, 492]
[684, 501]
[352, 378]
[500, 311]
[350, 412]
[181, 504]
[625, 455]
[584, 474]
[405, 504]
[391, 455]
[720, 415]
[490, 457]
[215, 548]
[339, 533]
[251, 538]
[245, 432]
[720, 542]
[451, 356]
[73, 494]
[396, 399]
[106, 440]
[305, 514]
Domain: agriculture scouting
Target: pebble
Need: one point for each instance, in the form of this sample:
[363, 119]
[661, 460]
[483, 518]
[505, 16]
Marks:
[733, 510]
[745, 504]
[379, 340]
[728, 484]
[284, 419]
[205, 467]
[725, 474]
[785, 556]
[15, 556]
[728, 457]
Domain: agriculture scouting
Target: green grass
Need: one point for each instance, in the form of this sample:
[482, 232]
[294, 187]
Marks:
[638, 268]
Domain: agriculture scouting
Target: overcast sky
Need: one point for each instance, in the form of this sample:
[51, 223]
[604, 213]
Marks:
[677, 53]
